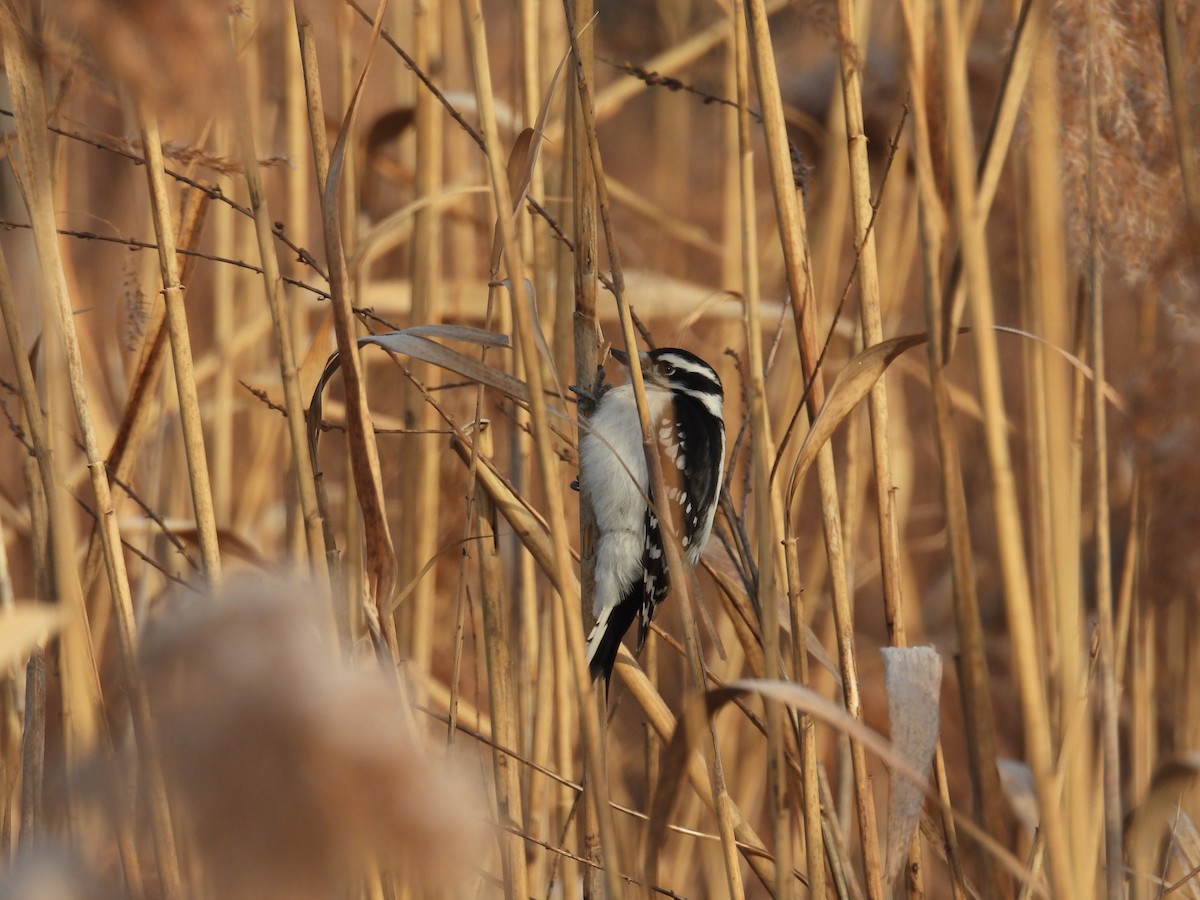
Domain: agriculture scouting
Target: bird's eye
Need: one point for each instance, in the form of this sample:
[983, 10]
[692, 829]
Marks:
[666, 369]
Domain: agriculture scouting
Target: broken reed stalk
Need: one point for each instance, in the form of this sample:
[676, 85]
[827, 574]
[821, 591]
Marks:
[181, 351]
[1027, 669]
[31, 117]
[274, 292]
[473, 25]
[793, 237]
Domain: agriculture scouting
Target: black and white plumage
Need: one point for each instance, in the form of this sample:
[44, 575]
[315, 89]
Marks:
[686, 410]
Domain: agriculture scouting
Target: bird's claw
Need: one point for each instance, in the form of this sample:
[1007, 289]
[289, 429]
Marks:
[589, 398]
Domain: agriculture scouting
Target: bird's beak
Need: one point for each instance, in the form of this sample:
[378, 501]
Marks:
[623, 358]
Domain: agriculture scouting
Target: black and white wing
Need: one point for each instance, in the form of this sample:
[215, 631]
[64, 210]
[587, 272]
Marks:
[692, 489]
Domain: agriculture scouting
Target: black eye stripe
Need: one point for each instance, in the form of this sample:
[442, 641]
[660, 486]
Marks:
[694, 381]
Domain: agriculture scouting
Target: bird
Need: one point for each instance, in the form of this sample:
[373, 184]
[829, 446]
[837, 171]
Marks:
[686, 406]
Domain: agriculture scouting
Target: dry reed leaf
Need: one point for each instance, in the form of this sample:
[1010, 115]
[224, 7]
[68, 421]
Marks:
[23, 627]
[853, 383]
[412, 342]
[913, 681]
[1146, 823]
[294, 770]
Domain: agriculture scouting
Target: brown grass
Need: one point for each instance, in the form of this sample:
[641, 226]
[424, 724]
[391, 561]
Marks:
[790, 191]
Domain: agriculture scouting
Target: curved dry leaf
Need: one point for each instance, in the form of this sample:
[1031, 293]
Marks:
[467, 333]
[417, 347]
[411, 342]
[1146, 823]
[912, 678]
[853, 383]
[23, 627]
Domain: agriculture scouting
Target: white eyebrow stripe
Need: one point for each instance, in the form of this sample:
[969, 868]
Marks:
[711, 402]
[688, 365]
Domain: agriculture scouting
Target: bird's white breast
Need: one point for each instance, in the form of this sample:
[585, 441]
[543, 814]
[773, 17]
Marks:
[612, 463]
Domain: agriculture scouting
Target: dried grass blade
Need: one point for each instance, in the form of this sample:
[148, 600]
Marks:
[410, 342]
[853, 383]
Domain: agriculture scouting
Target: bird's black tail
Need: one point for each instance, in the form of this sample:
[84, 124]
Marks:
[605, 640]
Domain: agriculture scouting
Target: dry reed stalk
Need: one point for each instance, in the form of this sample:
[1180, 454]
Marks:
[82, 725]
[1185, 137]
[972, 669]
[225, 227]
[585, 336]
[31, 116]
[793, 238]
[419, 490]
[293, 112]
[497, 637]
[273, 287]
[1061, 462]
[872, 317]
[1013, 565]
[768, 504]
[1110, 740]
[872, 333]
[522, 317]
[533, 238]
[181, 350]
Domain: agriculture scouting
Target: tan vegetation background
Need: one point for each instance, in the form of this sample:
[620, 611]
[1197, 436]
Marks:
[253, 676]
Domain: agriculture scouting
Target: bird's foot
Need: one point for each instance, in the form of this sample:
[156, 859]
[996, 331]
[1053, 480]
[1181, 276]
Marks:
[589, 398]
